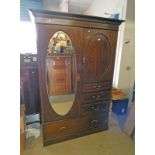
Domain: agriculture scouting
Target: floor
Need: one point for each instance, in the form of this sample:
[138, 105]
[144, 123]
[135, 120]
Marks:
[61, 104]
[110, 142]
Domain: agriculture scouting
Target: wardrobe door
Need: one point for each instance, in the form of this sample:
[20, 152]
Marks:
[98, 56]
[60, 59]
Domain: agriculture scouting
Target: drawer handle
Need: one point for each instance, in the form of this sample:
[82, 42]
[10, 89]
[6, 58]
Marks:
[97, 87]
[93, 96]
[84, 60]
[62, 128]
[78, 77]
[93, 108]
[53, 64]
[94, 121]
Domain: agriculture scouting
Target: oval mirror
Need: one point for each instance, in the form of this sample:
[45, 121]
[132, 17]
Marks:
[61, 73]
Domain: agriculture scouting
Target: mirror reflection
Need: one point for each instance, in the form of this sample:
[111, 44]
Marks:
[60, 43]
[61, 73]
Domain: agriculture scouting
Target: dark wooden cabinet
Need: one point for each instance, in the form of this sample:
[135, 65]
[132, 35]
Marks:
[29, 83]
[94, 40]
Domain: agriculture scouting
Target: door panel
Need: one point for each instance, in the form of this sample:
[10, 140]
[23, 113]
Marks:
[96, 56]
[45, 33]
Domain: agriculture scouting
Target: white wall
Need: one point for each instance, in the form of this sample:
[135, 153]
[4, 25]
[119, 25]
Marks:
[48, 5]
[54, 5]
[100, 7]
[126, 76]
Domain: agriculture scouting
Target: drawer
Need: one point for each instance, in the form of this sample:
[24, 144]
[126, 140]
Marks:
[98, 86]
[96, 97]
[60, 128]
[94, 121]
[64, 128]
[96, 108]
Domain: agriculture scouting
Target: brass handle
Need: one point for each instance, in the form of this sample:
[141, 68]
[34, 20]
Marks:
[62, 128]
[53, 63]
[93, 96]
[78, 77]
[94, 121]
[93, 108]
[98, 87]
[84, 60]
[67, 63]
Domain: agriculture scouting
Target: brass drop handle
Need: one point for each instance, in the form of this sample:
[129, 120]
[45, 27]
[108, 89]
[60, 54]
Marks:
[94, 96]
[53, 63]
[62, 128]
[78, 77]
[84, 60]
[67, 63]
[94, 121]
[98, 87]
[93, 108]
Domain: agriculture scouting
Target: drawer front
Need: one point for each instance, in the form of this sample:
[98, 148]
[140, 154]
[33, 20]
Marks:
[94, 121]
[90, 98]
[96, 108]
[64, 128]
[59, 128]
[98, 86]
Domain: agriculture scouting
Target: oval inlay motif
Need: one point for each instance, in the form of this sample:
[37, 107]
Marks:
[97, 55]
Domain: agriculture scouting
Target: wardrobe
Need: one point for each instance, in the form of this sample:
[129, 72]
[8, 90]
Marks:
[76, 57]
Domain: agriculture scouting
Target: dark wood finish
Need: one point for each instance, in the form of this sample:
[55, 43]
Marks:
[45, 32]
[94, 40]
[29, 82]
[74, 135]
[95, 108]
[97, 86]
[63, 128]
[75, 20]
[96, 97]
